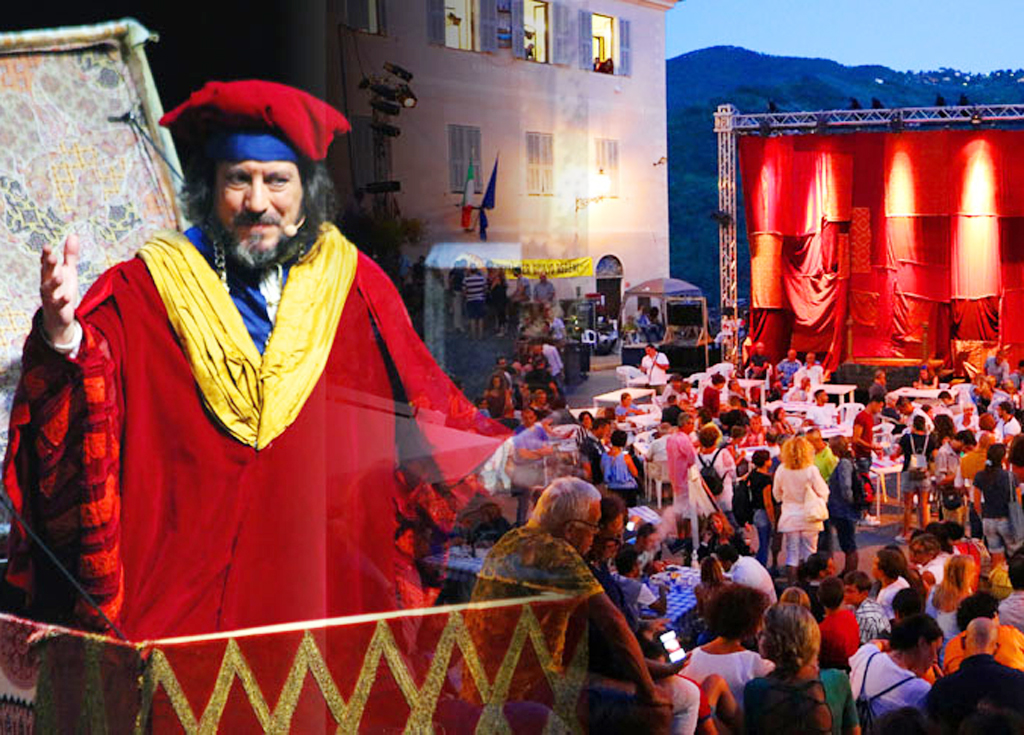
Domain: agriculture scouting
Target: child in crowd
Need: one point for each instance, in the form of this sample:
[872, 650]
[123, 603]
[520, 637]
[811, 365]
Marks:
[635, 593]
[840, 634]
[872, 620]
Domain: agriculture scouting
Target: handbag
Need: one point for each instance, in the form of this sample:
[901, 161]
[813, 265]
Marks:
[815, 507]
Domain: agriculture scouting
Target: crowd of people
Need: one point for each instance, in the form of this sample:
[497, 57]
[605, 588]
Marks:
[783, 637]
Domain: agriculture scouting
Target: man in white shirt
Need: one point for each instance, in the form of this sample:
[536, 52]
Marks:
[554, 359]
[822, 414]
[812, 370]
[657, 450]
[1008, 426]
[681, 389]
[889, 681]
[925, 411]
[746, 570]
[655, 366]
[967, 419]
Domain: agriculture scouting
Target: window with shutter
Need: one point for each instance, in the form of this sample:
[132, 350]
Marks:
[608, 163]
[565, 43]
[463, 147]
[540, 164]
[363, 15]
[436, 22]
[535, 31]
[459, 17]
[625, 67]
[585, 35]
[488, 25]
[518, 30]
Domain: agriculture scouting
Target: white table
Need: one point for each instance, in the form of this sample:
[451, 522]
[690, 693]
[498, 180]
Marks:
[842, 390]
[884, 468]
[614, 397]
[921, 394]
[747, 384]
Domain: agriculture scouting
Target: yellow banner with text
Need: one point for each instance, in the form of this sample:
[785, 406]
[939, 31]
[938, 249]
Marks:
[554, 267]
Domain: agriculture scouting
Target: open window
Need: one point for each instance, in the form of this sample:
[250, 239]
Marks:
[536, 24]
[602, 28]
[459, 19]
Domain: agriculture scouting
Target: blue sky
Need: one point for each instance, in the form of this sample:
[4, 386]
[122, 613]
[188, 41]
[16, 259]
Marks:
[970, 35]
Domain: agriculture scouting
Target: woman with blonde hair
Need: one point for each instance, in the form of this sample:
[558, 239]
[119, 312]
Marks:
[798, 485]
[795, 596]
[797, 697]
[956, 585]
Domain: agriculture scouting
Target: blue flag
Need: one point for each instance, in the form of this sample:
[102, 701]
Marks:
[488, 201]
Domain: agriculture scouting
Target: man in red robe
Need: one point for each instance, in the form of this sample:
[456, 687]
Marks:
[221, 434]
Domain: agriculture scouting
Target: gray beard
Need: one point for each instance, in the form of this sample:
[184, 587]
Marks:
[249, 259]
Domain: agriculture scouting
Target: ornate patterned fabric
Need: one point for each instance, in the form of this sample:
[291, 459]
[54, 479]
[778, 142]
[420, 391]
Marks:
[66, 167]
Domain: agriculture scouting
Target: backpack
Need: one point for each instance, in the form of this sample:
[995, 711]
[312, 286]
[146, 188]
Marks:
[709, 474]
[864, 703]
[741, 505]
[863, 490]
[918, 464]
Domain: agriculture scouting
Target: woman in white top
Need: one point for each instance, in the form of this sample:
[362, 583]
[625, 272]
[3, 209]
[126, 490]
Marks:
[893, 574]
[735, 613]
[796, 480]
[956, 585]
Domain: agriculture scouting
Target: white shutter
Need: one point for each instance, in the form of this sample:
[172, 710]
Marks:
[518, 41]
[564, 42]
[488, 25]
[456, 158]
[625, 65]
[435, 25]
[586, 35]
[610, 164]
[532, 164]
[472, 136]
[547, 160]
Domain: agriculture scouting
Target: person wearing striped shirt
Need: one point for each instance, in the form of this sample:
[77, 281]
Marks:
[474, 289]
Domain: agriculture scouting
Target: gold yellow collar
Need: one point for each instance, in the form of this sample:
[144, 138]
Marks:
[253, 397]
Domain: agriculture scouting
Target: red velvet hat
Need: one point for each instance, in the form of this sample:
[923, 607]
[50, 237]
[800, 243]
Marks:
[306, 123]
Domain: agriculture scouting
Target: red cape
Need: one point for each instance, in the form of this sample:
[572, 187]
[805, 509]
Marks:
[210, 534]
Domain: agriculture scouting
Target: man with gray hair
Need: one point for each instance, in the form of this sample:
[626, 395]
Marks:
[980, 680]
[546, 556]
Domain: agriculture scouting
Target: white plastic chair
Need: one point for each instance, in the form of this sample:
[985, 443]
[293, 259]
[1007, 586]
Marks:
[848, 412]
[725, 368]
[655, 474]
[589, 337]
[627, 373]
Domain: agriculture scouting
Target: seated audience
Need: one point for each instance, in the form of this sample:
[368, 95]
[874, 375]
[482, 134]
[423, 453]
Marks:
[877, 389]
[787, 368]
[1011, 610]
[980, 680]
[796, 697]
[1010, 651]
[840, 635]
[822, 414]
[902, 721]
[758, 366]
[795, 596]
[811, 369]
[718, 533]
[546, 555]
[957, 585]
[672, 409]
[883, 681]
[809, 577]
[712, 579]
[625, 409]
[647, 549]
[928, 558]
[712, 398]
[635, 593]
[747, 571]
[891, 571]
[619, 471]
[905, 604]
[872, 619]
[733, 615]
[802, 392]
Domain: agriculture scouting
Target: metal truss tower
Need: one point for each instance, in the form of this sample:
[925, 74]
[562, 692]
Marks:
[730, 123]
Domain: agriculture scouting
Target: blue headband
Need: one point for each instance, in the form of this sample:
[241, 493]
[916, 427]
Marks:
[249, 146]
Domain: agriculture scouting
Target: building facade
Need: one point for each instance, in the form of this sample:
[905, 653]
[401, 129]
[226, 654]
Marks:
[568, 97]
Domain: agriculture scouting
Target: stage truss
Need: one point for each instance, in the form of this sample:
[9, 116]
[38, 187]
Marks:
[731, 123]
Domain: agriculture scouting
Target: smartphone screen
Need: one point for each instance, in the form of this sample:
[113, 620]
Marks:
[672, 647]
[631, 526]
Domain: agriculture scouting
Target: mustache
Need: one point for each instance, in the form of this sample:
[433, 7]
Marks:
[247, 219]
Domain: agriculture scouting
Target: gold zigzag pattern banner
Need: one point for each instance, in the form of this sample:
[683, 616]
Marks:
[159, 674]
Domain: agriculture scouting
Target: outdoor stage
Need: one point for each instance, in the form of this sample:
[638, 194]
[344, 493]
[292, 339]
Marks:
[889, 247]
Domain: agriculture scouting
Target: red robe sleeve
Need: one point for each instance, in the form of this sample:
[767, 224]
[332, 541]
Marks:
[61, 472]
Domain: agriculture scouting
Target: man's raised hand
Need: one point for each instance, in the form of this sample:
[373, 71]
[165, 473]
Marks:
[58, 288]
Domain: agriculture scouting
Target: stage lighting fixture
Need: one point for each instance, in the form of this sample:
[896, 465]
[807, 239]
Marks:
[976, 118]
[964, 102]
[405, 96]
[821, 123]
[383, 90]
[772, 107]
[896, 121]
[876, 104]
[388, 108]
[384, 129]
[766, 128]
[721, 217]
[854, 103]
[940, 101]
[383, 187]
[403, 74]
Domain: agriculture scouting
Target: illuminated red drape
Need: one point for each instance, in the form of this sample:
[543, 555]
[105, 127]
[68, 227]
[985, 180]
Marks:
[892, 243]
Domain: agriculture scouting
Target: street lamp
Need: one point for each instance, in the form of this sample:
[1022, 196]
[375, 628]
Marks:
[602, 185]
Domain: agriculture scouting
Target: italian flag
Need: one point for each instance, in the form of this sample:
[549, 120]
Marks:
[467, 208]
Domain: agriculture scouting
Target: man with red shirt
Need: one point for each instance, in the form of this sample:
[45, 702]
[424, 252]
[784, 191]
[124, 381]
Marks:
[864, 434]
[712, 398]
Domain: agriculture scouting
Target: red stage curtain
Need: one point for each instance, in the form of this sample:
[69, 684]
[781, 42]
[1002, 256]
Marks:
[936, 233]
